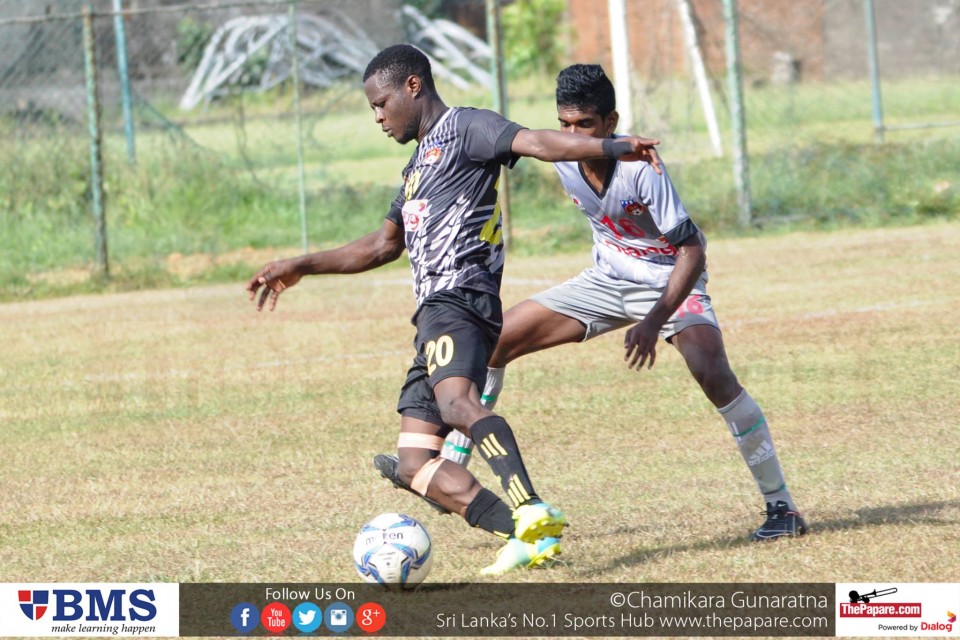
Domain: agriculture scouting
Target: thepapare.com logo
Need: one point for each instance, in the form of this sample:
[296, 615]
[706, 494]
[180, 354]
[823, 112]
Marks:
[90, 605]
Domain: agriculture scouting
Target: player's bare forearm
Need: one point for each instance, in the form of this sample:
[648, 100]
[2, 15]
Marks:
[363, 254]
[369, 252]
[640, 341]
[691, 260]
[554, 146]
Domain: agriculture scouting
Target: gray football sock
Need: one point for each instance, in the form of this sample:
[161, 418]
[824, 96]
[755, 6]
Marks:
[749, 428]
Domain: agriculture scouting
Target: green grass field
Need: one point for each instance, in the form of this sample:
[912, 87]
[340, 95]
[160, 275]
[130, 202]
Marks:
[177, 435]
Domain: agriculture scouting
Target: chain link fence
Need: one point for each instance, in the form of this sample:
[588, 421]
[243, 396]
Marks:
[205, 137]
[810, 109]
[808, 87]
[198, 130]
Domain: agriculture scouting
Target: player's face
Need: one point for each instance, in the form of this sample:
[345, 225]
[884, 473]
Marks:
[394, 107]
[586, 121]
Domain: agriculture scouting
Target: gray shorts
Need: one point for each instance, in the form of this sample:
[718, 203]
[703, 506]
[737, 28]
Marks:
[604, 304]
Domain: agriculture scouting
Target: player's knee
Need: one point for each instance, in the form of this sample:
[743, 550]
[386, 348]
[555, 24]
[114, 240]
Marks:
[460, 412]
[417, 472]
[417, 452]
[409, 464]
[719, 385]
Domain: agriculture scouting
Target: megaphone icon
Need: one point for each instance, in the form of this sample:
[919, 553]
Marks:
[856, 597]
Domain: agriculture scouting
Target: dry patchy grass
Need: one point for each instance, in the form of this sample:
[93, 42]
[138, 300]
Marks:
[180, 436]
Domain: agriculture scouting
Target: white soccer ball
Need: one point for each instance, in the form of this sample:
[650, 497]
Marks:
[393, 550]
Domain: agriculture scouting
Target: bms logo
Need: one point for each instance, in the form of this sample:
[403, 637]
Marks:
[92, 605]
[33, 603]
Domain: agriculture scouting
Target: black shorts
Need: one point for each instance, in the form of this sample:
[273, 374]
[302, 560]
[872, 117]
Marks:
[457, 331]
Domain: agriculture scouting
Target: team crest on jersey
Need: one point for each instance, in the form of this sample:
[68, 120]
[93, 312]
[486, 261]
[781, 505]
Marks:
[576, 201]
[632, 207]
[432, 155]
[414, 211]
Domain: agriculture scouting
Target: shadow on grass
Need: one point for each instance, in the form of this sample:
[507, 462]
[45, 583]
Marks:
[915, 513]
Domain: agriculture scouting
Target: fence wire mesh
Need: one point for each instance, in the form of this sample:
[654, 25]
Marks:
[210, 154]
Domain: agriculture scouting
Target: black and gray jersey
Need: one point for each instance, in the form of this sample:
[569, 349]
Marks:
[448, 203]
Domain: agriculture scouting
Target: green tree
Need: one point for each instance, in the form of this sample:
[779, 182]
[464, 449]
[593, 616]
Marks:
[192, 38]
[532, 36]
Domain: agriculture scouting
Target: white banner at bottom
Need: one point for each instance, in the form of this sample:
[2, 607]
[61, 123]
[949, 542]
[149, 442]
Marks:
[89, 609]
[903, 609]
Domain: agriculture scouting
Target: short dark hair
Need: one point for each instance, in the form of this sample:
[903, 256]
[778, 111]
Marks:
[585, 86]
[399, 62]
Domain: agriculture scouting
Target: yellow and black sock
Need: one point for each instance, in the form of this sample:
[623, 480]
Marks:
[496, 444]
[488, 512]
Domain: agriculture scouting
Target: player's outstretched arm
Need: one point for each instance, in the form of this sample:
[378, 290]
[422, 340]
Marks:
[555, 146]
[369, 252]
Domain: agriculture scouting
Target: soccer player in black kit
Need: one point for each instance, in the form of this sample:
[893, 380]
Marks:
[447, 218]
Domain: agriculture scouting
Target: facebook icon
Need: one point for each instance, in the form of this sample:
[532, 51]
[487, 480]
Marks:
[244, 617]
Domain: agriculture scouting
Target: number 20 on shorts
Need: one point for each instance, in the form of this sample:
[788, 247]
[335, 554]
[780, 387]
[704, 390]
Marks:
[439, 353]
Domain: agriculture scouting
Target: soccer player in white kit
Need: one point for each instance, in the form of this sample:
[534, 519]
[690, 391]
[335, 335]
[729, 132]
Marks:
[649, 274]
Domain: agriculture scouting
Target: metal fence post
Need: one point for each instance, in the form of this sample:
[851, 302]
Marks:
[494, 37]
[298, 115]
[874, 62]
[96, 150]
[124, 74]
[620, 55]
[741, 163]
[699, 74]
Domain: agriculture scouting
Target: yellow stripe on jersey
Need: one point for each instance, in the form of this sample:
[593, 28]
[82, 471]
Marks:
[411, 184]
[491, 232]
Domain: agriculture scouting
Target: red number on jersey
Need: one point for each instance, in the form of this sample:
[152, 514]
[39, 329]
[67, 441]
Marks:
[628, 226]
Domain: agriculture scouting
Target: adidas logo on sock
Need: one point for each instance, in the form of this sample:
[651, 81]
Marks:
[763, 453]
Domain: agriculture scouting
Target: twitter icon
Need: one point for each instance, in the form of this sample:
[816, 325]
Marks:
[307, 617]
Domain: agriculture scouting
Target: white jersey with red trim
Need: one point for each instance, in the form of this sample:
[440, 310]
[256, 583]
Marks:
[637, 220]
